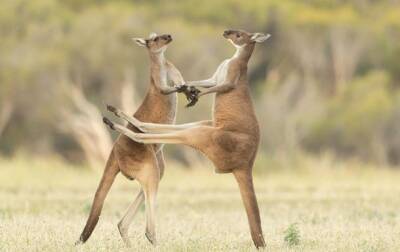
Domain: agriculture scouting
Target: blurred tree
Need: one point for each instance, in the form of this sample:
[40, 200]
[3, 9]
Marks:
[329, 77]
[354, 121]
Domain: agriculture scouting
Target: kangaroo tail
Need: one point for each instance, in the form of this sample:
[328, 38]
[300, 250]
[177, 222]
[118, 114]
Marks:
[110, 171]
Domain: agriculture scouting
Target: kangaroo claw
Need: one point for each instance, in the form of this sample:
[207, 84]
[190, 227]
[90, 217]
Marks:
[182, 88]
[112, 109]
[192, 95]
[151, 238]
[192, 102]
[109, 123]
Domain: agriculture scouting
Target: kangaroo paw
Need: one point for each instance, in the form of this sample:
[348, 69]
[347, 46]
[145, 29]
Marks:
[191, 103]
[109, 123]
[182, 88]
[192, 95]
[112, 109]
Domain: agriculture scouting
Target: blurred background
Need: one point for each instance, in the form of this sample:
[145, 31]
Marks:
[326, 83]
[326, 87]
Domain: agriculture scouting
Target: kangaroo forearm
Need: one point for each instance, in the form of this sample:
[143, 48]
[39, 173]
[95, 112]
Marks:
[202, 83]
[178, 82]
[168, 90]
[219, 89]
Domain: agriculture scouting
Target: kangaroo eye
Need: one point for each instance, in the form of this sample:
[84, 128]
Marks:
[237, 35]
[156, 39]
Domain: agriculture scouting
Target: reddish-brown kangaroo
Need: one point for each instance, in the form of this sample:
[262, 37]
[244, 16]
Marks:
[136, 160]
[231, 139]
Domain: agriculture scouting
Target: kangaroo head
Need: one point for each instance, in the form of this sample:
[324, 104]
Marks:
[155, 43]
[241, 38]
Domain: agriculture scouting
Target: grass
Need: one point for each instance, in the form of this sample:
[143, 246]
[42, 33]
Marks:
[292, 235]
[345, 207]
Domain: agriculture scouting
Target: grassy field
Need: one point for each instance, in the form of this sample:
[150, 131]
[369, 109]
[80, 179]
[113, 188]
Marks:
[329, 207]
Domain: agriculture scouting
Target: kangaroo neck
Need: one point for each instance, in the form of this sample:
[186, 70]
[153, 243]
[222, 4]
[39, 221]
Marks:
[157, 60]
[243, 53]
[158, 69]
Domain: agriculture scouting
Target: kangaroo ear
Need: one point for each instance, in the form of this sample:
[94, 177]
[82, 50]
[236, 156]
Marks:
[259, 37]
[152, 35]
[140, 41]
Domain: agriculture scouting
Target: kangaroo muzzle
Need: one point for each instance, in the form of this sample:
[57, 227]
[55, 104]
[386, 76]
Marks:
[227, 33]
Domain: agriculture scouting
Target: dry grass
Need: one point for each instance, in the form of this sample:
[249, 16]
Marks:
[44, 204]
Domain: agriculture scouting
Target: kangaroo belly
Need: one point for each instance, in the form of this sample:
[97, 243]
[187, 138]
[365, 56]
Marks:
[237, 140]
[235, 150]
[234, 111]
[157, 108]
[227, 150]
[133, 155]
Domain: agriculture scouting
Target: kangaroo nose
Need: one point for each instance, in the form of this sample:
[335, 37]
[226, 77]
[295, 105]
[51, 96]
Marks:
[227, 33]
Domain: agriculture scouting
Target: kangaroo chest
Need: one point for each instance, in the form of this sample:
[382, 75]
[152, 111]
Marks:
[163, 76]
[222, 71]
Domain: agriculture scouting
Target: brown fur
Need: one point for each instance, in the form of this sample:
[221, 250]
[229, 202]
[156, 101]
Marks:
[136, 160]
[231, 140]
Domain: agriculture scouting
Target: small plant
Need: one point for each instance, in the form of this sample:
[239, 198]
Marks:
[292, 235]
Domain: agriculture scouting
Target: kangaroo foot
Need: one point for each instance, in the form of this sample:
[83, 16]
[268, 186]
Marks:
[78, 242]
[259, 241]
[124, 235]
[151, 237]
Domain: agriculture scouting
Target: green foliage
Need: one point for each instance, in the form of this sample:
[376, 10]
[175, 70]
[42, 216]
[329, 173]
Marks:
[48, 45]
[356, 116]
[292, 235]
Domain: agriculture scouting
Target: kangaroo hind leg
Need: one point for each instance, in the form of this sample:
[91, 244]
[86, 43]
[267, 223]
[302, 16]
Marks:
[110, 172]
[149, 178]
[245, 182]
[123, 225]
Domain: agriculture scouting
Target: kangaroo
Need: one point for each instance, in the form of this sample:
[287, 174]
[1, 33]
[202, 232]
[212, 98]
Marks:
[136, 160]
[231, 139]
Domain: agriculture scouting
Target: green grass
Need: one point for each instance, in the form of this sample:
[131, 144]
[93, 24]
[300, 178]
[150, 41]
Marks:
[44, 205]
[292, 235]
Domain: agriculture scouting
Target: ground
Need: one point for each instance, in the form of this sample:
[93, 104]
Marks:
[44, 206]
